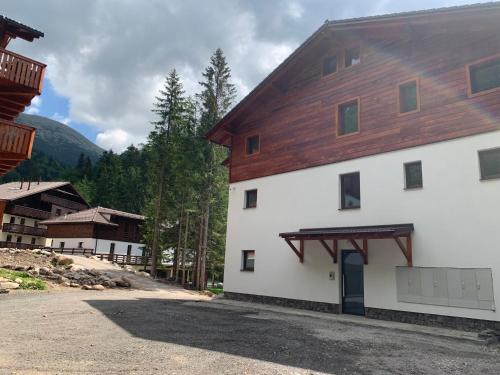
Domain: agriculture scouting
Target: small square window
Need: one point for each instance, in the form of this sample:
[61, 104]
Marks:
[484, 76]
[408, 97]
[348, 118]
[413, 175]
[251, 198]
[489, 161]
[61, 245]
[23, 221]
[329, 65]
[352, 56]
[248, 260]
[58, 212]
[253, 145]
[19, 239]
[9, 238]
[350, 192]
[80, 245]
[33, 240]
[12, 220]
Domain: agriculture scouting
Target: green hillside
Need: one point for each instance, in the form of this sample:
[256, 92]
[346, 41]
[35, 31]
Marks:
[58, 141]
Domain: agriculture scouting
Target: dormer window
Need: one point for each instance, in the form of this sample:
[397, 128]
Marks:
[329, 65]
[352, 56]
[253, 145]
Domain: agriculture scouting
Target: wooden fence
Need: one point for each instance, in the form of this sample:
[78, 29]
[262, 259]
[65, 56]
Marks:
[133, 260]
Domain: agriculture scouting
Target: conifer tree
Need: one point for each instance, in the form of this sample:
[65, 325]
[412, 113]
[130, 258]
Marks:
[215, 100]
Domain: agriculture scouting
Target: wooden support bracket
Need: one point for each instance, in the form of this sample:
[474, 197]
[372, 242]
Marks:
[407, 250]
[299, 253]
[363, 251]
[332, 252]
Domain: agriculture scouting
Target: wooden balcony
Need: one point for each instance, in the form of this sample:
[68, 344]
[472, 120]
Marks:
[16, 143]
[21, 80]
[21, 71]
[29, 212]
[24, 229]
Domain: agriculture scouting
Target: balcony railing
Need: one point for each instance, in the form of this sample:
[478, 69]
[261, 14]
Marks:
[29, 212]
[21, 70]
[16, 140]
[62, 202]
[24, 229]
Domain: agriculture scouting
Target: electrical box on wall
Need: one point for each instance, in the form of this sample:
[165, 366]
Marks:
[332, 275]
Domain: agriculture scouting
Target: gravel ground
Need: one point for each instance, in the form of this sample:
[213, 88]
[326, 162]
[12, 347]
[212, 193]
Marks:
[169, 332]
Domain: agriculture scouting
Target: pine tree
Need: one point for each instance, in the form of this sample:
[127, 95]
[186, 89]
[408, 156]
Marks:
[170, 108]
[215, 100]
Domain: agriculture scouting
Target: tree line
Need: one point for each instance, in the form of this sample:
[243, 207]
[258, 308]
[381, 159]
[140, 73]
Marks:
[176, 179]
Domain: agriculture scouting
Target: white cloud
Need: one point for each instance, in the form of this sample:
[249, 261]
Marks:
[58, 117]
[110, 57]
[116, 140]
[295, 10]
[34, 107]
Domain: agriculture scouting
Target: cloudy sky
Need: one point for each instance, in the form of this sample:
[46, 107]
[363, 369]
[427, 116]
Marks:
[108, 58]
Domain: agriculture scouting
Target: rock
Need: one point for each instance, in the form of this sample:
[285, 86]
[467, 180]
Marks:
[8, 266]
[35, 271]
[94, 272]
[119, 282]
[3, 279]
[62, 260]
[21, 268]
[87, 287]
[109, 284]
[59, 271]
[45, 271]
[74, 285]
[46, 253]
[9, 285]
[98, 287]
[18, 280]
[77, 267]
[66, 284]
[143, 274]
[4, 291]
[62, 280]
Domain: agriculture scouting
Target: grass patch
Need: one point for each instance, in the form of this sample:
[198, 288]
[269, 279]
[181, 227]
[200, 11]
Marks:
[216, 290]
[29, 282]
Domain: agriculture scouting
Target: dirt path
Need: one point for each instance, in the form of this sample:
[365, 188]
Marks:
[169, 332]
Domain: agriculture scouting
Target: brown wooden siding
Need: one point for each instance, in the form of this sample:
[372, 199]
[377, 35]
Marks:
[134, 233]
[70, 230]
[297, 122]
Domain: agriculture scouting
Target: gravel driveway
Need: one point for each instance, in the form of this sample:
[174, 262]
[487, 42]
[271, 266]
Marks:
[145, 332]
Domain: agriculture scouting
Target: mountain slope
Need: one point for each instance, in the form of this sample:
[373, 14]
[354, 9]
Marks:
[59, 141]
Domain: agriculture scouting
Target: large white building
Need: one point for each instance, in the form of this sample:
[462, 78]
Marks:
[365, 172]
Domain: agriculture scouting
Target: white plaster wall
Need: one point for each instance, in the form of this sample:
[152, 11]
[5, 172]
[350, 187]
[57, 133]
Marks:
[456, 217]
[102, 246]
[26, 239]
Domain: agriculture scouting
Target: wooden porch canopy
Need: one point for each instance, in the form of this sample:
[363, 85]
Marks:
[400, 233]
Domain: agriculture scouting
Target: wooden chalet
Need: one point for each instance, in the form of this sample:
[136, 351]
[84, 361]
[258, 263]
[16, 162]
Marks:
[24, 205]
[104, 230]
[365, 171]
[21, 79]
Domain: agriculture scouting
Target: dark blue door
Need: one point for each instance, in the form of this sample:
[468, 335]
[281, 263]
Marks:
[353, 298]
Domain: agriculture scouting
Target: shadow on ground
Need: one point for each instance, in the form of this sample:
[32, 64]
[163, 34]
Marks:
[228, 331]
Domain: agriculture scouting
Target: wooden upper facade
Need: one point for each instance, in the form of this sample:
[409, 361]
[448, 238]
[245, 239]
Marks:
[33, 202]
[362, 69]
[21, 80]
[99, 223]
